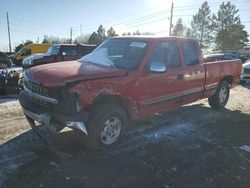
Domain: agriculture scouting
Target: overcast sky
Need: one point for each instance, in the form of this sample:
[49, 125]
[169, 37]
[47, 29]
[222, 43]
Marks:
[32, 19]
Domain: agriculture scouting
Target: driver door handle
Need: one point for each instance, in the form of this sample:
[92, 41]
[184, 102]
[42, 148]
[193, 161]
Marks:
[180, 76]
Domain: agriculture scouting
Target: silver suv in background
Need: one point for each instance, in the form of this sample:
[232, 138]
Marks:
[245, 73]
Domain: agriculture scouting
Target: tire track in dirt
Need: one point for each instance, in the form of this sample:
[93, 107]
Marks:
[18, 141]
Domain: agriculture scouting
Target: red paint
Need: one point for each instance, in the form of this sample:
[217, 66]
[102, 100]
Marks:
[138, 88]
[51, 75]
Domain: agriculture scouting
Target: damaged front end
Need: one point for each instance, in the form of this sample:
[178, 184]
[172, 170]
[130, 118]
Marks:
[54, 108]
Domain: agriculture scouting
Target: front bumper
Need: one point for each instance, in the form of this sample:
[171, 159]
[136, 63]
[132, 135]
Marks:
[53, 119]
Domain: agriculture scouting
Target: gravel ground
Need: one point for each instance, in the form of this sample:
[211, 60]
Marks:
[191, 146]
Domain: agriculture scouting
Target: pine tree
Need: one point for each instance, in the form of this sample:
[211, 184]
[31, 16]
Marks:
[201, 25]
[101, 33]
[230, 33]
[178, 28]
[94, 38]
[111, 32]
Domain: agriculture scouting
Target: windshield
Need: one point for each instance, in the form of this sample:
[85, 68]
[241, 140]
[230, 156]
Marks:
[53, 50]
[120, 53]
[23, 51]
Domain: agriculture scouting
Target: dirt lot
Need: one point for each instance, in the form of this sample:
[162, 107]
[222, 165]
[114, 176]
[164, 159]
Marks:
[192, 146]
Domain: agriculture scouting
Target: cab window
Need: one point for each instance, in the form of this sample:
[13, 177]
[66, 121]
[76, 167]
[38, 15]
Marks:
[190, 53]
[70, 51]
[166, 53]
[27, 52]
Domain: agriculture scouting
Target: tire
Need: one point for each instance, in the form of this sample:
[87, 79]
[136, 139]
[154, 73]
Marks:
[220, 98]
[105, 127]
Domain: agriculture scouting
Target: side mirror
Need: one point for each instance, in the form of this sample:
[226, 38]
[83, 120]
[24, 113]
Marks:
[64, 53]
[157, 67]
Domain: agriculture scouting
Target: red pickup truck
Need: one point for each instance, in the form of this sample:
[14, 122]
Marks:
[125, 78]
[58, 53]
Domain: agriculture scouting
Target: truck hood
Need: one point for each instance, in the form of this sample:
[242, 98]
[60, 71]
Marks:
[56, 74]
[36, 56]
[29, 59]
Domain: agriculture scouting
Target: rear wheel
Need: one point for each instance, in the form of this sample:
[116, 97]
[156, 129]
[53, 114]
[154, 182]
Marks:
[220, 98]
[106, 125]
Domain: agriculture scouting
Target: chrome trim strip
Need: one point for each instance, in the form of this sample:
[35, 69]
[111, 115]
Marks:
[166, 99]
[41, 118]
[43, 98]
[210, 88]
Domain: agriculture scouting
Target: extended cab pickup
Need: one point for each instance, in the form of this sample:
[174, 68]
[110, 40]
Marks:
[58, 53]
[125, 78]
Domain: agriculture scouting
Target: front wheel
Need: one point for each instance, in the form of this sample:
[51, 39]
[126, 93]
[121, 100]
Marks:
[106, 125]
[220, 98]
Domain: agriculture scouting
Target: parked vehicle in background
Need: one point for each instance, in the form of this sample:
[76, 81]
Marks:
[236, 53]
[5, 61]
[244, 58]
[125, 78]
[57, 53]
[245, 73]
[245, 52]
[28, 50]
[219, 57]
[10, 79]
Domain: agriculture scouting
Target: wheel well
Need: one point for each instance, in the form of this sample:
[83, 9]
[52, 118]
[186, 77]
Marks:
[229, 79]
[112, 99]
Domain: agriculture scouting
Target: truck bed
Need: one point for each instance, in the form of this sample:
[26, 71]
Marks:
[222, 69]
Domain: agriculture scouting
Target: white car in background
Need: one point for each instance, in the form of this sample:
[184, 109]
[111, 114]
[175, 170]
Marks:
[245, 73]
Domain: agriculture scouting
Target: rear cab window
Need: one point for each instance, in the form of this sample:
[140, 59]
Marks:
[190, 53]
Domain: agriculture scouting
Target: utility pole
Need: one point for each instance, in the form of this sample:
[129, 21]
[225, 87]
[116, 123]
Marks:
[171, 18]
[80, 29]
[70, 36]
[8, 25]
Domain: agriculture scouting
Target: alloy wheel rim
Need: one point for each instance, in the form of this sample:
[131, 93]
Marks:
[223, 94]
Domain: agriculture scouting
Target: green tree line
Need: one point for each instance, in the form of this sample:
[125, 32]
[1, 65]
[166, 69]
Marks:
[220, 31]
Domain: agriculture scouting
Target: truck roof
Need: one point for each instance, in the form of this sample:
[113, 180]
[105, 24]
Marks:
[38, 44]
[152, 37]
[74, 44]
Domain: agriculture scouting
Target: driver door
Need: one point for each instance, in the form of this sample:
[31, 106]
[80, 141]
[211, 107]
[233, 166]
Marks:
[160, 90]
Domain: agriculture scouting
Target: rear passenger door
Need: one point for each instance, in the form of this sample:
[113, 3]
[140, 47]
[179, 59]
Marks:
[192, 75]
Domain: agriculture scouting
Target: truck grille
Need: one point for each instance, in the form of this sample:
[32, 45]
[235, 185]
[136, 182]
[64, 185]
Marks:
[246, 71]
[39, 102]
[35, 88]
